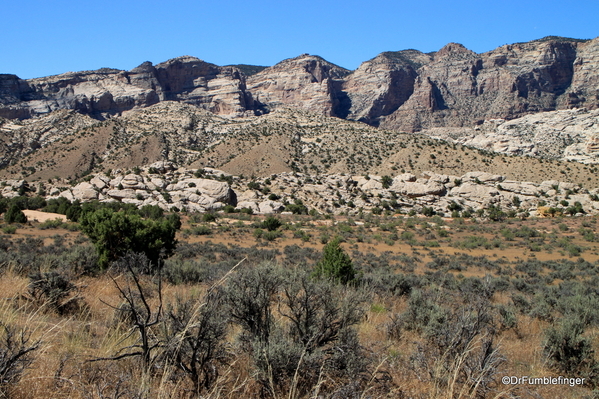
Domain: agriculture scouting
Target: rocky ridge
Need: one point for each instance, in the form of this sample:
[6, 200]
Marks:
[569, 135]
[406, 90]
[69, 145]
[107, 92]
[200, 190]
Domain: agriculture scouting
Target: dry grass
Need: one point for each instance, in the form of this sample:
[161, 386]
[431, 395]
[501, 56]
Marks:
[63, 367]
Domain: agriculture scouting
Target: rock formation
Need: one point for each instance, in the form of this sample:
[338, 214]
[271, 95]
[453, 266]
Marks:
[164, 185]
[405, 90]
[307, 82]
[571, 135]
[105, 92]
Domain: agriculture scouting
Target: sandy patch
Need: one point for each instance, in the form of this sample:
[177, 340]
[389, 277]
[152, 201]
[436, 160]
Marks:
[37, 216]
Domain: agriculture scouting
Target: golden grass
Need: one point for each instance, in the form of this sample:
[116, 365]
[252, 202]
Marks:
[63, 369]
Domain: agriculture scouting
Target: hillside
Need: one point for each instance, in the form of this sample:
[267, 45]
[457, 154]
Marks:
[67, 144]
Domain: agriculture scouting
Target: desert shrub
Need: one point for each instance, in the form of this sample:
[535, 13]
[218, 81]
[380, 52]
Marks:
[184, 271]
[54, 291]
[16, 354]
[495, 213]
[51, 224]
[314, 334]
[423, 313]
[136, 311]
[209, 217]
[9, 229]
[271, 223]
[386, 181]
[230, 209]
[200, 230]
[15, 215]
[272, 235]
[458, 353]
[151, 211]
[297, 208]
[335, 264]
[250, 295]
[196, 339]
[428, 211]
[569, 352]
[116, 233]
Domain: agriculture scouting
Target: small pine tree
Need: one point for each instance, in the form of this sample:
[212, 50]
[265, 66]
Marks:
[15, 215]
[387, 181]
[335, 264]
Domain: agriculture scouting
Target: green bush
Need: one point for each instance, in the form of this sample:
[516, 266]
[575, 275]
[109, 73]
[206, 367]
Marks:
[386, 181]
[297, 208]
[15, 215]
[9, 229]
[209, 217]
[335, 264]
[51, 224]
[272, 235]
[116, 233]
[569, 352]
[271, 223]
[200, 230]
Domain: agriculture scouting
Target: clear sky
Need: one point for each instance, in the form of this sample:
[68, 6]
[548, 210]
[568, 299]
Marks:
[41, 37]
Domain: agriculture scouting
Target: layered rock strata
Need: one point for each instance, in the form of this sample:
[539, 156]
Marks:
[406, 90]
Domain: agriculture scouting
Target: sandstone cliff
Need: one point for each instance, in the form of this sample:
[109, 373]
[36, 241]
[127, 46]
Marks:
[109, 91]
[306, 82]
[402, 91]
[570, 135]
[460, 87]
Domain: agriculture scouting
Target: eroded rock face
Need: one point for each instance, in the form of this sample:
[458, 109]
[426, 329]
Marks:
[571, 135]
[380, 86]
[406, 90]
[111, 91]
[460, 87]
[307, 82]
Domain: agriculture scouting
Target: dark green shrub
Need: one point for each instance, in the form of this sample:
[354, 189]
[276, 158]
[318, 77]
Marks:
[386, 181]
[335, 264]
[209, 217]
[297, 208]
[116, 233]
[9, 229]
[229, 209]
[15, 215]
[151, 211]
[428, 211]
[271, 223]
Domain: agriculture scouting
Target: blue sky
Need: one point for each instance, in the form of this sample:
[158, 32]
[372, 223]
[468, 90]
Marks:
[42, 38]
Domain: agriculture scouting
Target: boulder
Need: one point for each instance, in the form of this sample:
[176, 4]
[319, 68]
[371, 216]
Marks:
[483, 177]
[416, 189]
[269, 206]
[121, 194]
[474, 192]
[85, 192]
